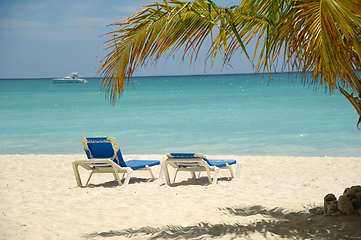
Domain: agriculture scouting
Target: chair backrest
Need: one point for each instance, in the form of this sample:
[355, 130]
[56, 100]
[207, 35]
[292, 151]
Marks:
[187, 160]
[103, 148]
[186, 155]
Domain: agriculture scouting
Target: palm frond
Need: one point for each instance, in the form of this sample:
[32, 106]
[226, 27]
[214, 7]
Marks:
[169, 27]
[320, 38]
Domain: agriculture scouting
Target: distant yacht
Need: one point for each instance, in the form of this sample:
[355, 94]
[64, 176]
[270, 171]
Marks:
[72, 78]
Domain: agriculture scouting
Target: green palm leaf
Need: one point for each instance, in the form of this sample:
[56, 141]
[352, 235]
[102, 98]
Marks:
[320, 37]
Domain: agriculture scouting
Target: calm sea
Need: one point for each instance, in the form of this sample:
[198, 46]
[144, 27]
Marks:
[220, 114]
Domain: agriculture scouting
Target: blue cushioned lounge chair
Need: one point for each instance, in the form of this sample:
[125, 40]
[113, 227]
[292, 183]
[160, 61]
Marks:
[104, 156]
[196, 162]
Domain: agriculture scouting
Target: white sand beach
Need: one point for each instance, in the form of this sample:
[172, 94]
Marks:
[39, 199]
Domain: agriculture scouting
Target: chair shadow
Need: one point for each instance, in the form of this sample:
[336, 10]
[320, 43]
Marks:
[114, 183]
[279, 222]
[202, 181]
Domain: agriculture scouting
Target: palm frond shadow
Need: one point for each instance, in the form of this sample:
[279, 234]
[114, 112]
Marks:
[280, 222]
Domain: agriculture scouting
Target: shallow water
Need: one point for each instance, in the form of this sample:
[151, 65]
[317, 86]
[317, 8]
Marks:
[219, 114]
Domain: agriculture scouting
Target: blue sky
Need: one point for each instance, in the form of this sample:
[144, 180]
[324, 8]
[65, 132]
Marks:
[48, 38]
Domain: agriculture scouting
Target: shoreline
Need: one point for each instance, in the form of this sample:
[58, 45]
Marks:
[161, 156]
[40, 199]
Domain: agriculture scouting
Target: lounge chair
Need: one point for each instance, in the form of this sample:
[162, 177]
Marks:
[104, 156]
[195, 162]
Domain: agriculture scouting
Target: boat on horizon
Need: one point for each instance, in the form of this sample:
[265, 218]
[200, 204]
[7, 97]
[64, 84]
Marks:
[72, 78]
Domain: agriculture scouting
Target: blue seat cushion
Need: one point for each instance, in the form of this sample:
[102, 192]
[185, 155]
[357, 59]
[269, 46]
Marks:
[220, 162]
[137, 164]
[101, 150]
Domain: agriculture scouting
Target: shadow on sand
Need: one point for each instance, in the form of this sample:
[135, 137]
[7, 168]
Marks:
[276, 222]
[202, 181]
[114, 183]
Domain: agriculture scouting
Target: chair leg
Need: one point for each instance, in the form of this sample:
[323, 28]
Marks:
[193, 175]
[129, 173]
[150, 171]
[116, 175]
[161, 173]
[175, 175]
[77, 175]
[230, 170]
[215, 177]
[87, 182]
[238, 172]
[209, 176]
[166, 173]
[122, 176]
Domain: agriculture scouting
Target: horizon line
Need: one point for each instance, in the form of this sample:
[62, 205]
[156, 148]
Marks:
[186, 75]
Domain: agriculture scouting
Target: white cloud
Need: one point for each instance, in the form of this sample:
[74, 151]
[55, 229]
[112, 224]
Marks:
[134, 7]
[88, 22]
[15, 23]
[18, 10]
[78, 29]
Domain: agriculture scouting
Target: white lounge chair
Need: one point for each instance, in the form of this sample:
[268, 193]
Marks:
[195, 162]
[104, 156]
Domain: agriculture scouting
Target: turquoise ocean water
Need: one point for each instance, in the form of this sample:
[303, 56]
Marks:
[219, 114]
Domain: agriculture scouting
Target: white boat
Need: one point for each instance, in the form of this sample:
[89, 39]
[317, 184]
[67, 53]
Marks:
[72, 78]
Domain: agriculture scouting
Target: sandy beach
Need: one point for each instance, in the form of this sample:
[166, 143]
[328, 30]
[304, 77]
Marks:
[40, 199]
